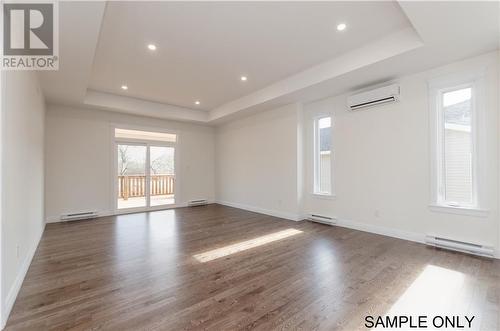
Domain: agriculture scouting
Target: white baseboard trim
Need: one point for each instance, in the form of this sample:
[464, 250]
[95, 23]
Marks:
[382, 230]
[18, 282]
[279, 214]
[389, 232]
[377, 229]
[57, 219]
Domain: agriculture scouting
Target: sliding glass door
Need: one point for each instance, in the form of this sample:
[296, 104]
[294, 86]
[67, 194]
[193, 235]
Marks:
[145, 175]
[162, 175]
[132, 160]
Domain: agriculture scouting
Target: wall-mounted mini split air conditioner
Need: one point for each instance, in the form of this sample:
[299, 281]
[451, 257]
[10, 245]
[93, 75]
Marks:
[79, 216]
[460, 246]
[379, 96]
[321, 219]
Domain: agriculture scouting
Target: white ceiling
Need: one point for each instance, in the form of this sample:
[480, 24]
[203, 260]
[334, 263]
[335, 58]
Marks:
[290, 51]
[204, 48]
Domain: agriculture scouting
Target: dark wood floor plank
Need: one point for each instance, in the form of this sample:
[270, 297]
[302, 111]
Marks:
[138, 272]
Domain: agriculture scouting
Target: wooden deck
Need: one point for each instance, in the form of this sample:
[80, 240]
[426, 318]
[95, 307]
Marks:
[137, 202]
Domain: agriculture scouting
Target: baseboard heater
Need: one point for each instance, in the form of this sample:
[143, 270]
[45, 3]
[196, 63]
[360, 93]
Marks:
[200, 202]
[321, 219]
[79, 216]
[459, 246]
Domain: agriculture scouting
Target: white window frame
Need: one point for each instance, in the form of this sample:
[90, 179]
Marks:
[437, 87]
[316, 156]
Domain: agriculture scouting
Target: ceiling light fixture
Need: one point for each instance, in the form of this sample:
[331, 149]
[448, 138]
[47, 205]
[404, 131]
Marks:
[152, 47]
[243, 78]
[196, 102]
[124, 87]
[341, 27]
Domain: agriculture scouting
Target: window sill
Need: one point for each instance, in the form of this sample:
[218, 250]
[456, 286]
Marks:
[460, 210]
[324, 196]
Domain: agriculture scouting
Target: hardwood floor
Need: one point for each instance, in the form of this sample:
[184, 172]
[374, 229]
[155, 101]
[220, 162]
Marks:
[139, 272]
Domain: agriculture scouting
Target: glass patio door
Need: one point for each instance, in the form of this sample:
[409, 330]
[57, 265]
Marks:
[146, 176]
[162, 175]
[132, 160]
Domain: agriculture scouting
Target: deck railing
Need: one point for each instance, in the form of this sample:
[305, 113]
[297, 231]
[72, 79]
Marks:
[135, 186]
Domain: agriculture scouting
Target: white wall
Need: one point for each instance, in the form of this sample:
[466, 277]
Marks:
[382, 162]
[256, 162]
[79, 159]
[23, 112]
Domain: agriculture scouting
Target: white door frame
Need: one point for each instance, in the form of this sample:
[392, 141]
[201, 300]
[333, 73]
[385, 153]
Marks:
[147, 144]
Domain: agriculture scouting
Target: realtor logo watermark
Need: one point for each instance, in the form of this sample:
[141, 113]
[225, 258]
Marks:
[30, 37]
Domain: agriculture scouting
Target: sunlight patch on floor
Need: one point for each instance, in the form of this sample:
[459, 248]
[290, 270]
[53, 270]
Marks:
[435, 291]
[245, 245]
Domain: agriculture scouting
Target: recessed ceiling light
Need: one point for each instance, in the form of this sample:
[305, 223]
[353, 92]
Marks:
[243, 78]
[124, 87]
[341, 27]
[152, 47]
[196, 102]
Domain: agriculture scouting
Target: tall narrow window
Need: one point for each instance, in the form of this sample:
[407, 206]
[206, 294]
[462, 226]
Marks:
[458, 164]
[323, 156]
[456, 143]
